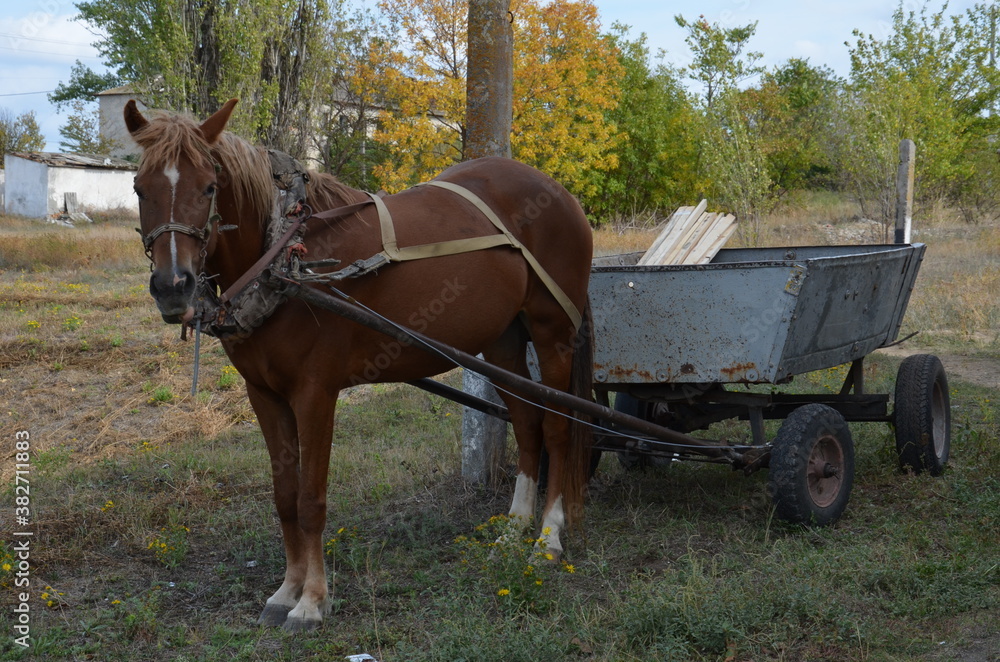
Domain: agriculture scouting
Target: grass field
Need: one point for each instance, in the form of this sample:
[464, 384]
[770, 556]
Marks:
[154, 535]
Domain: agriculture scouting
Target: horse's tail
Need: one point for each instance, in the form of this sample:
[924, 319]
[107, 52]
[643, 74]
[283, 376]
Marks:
[578, 460]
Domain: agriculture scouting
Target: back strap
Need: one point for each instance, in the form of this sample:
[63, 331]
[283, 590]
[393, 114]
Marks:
[456, 246]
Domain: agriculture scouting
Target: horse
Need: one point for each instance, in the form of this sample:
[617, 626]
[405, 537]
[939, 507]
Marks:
[196, 180]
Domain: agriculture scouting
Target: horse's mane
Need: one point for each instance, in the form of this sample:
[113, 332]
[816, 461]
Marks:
[168, 136]
[326, 192]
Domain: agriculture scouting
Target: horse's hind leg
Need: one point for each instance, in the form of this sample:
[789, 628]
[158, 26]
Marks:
[509, 353]
[554, 347]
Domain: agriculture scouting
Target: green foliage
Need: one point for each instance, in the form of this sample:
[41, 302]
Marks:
[19, 134]
[795, 106]
[719, 57]
[84, 84]
[660, 151]
[192, 56]
[81, 134]
[930, 80]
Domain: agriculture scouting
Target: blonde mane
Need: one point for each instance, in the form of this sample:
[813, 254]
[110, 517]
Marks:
[168, 136]
[245, 168]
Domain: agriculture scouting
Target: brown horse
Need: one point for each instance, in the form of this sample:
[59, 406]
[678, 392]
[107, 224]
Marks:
[192, 178]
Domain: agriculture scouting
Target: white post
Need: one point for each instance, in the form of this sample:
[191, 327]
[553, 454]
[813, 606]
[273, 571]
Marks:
[904, 190]
[484, 437]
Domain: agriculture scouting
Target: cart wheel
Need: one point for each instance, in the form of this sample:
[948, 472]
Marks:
[923, 414]
[812, 466]
[630, 460]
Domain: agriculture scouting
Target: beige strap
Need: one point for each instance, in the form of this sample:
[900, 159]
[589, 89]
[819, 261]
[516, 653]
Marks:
[550, 283]
[389, 246]
[393, 253]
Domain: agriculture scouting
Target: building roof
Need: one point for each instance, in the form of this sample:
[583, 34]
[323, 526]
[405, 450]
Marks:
[123, 89]
[77, 160]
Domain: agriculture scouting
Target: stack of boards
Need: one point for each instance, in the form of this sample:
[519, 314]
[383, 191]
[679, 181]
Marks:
[691, 236]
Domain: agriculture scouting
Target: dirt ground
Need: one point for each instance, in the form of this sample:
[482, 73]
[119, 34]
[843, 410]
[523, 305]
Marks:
[971, 368]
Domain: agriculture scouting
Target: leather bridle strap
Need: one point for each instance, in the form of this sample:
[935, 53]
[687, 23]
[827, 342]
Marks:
[204, 234]
[268, 257]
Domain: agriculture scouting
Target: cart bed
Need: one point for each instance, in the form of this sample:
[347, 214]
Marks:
[757, 315]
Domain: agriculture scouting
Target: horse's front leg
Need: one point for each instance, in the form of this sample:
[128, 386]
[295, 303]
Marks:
[314, 413]
[277, 422]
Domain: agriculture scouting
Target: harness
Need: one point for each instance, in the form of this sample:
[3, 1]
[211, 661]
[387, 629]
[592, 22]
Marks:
[249, 301]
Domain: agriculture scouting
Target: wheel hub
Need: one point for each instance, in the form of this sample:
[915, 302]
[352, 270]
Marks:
[824, 473]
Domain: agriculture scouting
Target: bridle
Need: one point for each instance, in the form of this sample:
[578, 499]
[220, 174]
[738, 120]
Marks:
[203, 234]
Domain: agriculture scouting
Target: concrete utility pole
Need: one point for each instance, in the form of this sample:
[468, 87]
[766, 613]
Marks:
[490, 81]
[488, 116]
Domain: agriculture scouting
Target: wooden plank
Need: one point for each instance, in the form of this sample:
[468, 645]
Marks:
[668, 229]
[676, 235]
[705, 225]
[713, 226]
[714, 240]
[678, 248]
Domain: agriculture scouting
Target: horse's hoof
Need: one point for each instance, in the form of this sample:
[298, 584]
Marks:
[273, 615]
[300, 625]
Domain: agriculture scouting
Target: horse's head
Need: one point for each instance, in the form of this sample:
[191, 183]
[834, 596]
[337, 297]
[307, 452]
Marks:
[176, 183]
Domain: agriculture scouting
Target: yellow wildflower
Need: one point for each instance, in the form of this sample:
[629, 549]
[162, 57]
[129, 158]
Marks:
[503, 591]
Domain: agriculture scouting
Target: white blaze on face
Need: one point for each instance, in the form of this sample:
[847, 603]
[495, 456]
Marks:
[173, 176]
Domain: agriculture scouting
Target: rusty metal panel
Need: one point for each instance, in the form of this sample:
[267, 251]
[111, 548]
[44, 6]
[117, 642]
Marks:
[753, 315]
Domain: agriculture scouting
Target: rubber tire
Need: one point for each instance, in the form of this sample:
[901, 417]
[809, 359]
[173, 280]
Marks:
[922, 415]
[629, 461]
[811, 432]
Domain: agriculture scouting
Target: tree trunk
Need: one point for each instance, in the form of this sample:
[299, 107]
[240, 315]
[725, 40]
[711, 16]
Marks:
[490, 79]
[488, 117]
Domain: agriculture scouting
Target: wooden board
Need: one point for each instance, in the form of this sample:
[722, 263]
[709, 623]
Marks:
[682, 220]
[691, 236]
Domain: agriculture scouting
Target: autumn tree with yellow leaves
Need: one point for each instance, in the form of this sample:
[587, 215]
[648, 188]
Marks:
[565, 74]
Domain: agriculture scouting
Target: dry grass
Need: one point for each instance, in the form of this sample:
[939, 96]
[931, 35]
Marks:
[88, 363]
[685, 564]
[45, 247]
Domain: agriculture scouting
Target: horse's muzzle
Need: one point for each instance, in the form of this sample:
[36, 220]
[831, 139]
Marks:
[172, 292]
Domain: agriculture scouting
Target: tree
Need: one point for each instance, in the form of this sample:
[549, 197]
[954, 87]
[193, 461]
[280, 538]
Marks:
[793, 110]
[565, 79]
[192, 55]
[19, 134]
[734, 160]
[659, 154]
[932, 80]
[719, 62]
[81, 133]
[84, 84]
[353, 95]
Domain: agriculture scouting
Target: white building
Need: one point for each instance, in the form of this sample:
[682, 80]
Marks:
[37, 183]
[111, 111]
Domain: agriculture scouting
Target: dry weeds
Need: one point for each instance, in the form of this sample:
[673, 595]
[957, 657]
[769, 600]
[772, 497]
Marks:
[90, 367]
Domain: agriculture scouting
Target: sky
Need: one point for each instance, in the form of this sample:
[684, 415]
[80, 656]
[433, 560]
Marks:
[40, 41]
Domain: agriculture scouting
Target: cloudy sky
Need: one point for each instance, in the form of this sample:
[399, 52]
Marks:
[39, 41]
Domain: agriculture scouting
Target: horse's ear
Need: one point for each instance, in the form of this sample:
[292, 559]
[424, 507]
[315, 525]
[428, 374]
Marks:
[134, 120]
[212, 128]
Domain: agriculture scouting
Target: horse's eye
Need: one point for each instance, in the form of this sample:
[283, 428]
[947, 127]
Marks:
[212, 188]
[138, 193]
